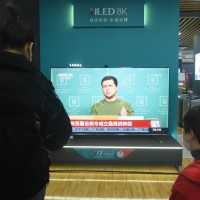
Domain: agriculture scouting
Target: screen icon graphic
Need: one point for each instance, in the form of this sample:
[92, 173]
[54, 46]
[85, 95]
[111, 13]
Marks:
[141, 101]
[74, 101]
[84, 79]
[152, 79]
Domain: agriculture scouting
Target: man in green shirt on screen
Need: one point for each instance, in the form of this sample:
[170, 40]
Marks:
[111, 105]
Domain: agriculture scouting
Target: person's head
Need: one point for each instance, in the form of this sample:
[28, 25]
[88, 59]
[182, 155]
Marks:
[15, 35]
[191, 121]
[109, 86]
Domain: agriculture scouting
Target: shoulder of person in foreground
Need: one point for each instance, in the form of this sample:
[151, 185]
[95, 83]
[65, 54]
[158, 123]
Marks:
[56, 123]
[187, 185]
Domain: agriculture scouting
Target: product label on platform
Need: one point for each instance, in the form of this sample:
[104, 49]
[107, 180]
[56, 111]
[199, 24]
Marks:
[104, 154]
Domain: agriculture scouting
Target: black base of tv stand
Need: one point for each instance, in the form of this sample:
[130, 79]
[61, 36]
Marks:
[121, 150]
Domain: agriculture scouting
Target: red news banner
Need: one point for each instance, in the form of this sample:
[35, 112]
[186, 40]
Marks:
[109, 121]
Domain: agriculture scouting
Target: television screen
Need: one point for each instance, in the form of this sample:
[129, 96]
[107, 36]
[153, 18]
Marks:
[197, 66]
[137, 104]
[181, 76]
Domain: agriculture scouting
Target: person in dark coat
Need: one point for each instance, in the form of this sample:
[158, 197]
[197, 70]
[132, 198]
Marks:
[33, 120]
[187, 185]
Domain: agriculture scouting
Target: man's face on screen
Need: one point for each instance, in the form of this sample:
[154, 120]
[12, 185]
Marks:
[109, 89]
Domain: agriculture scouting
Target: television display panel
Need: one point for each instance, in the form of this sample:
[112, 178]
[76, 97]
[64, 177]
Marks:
[181, 76]
[197, 66]
[146, 89]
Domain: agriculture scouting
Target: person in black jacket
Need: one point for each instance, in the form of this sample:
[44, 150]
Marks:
[33, 120]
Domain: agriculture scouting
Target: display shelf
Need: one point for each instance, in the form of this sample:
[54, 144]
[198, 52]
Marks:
[121, 149]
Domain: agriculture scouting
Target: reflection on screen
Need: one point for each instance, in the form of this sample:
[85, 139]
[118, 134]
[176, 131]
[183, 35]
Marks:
[146, 89]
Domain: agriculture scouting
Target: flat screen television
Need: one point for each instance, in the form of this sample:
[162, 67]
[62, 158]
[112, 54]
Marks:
[197, 66]
[146, 89]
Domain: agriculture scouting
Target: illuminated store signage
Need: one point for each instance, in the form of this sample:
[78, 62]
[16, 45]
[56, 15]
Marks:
[115, 13]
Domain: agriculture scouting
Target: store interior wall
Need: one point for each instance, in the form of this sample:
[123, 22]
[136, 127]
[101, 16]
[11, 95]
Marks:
[155, 45]
[29, 12]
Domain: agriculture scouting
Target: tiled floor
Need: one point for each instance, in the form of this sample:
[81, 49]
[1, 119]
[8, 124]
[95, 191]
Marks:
[72, 198]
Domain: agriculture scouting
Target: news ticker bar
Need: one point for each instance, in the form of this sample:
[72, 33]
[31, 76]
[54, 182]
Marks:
[127, 124]
[145, 130]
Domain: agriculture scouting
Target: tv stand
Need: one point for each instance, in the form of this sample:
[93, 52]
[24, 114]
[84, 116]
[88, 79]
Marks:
[121, 149]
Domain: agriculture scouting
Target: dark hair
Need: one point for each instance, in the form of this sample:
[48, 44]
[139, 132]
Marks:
[109, 78]
[191, 121]
[15, 33]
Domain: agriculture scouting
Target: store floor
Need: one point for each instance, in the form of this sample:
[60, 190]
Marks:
[91, 182]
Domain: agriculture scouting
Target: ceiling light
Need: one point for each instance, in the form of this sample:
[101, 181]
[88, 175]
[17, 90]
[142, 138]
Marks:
[182, 48]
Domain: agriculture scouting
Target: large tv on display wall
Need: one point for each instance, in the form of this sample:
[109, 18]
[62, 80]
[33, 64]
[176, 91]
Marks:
[146, 89]
[197, 66]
